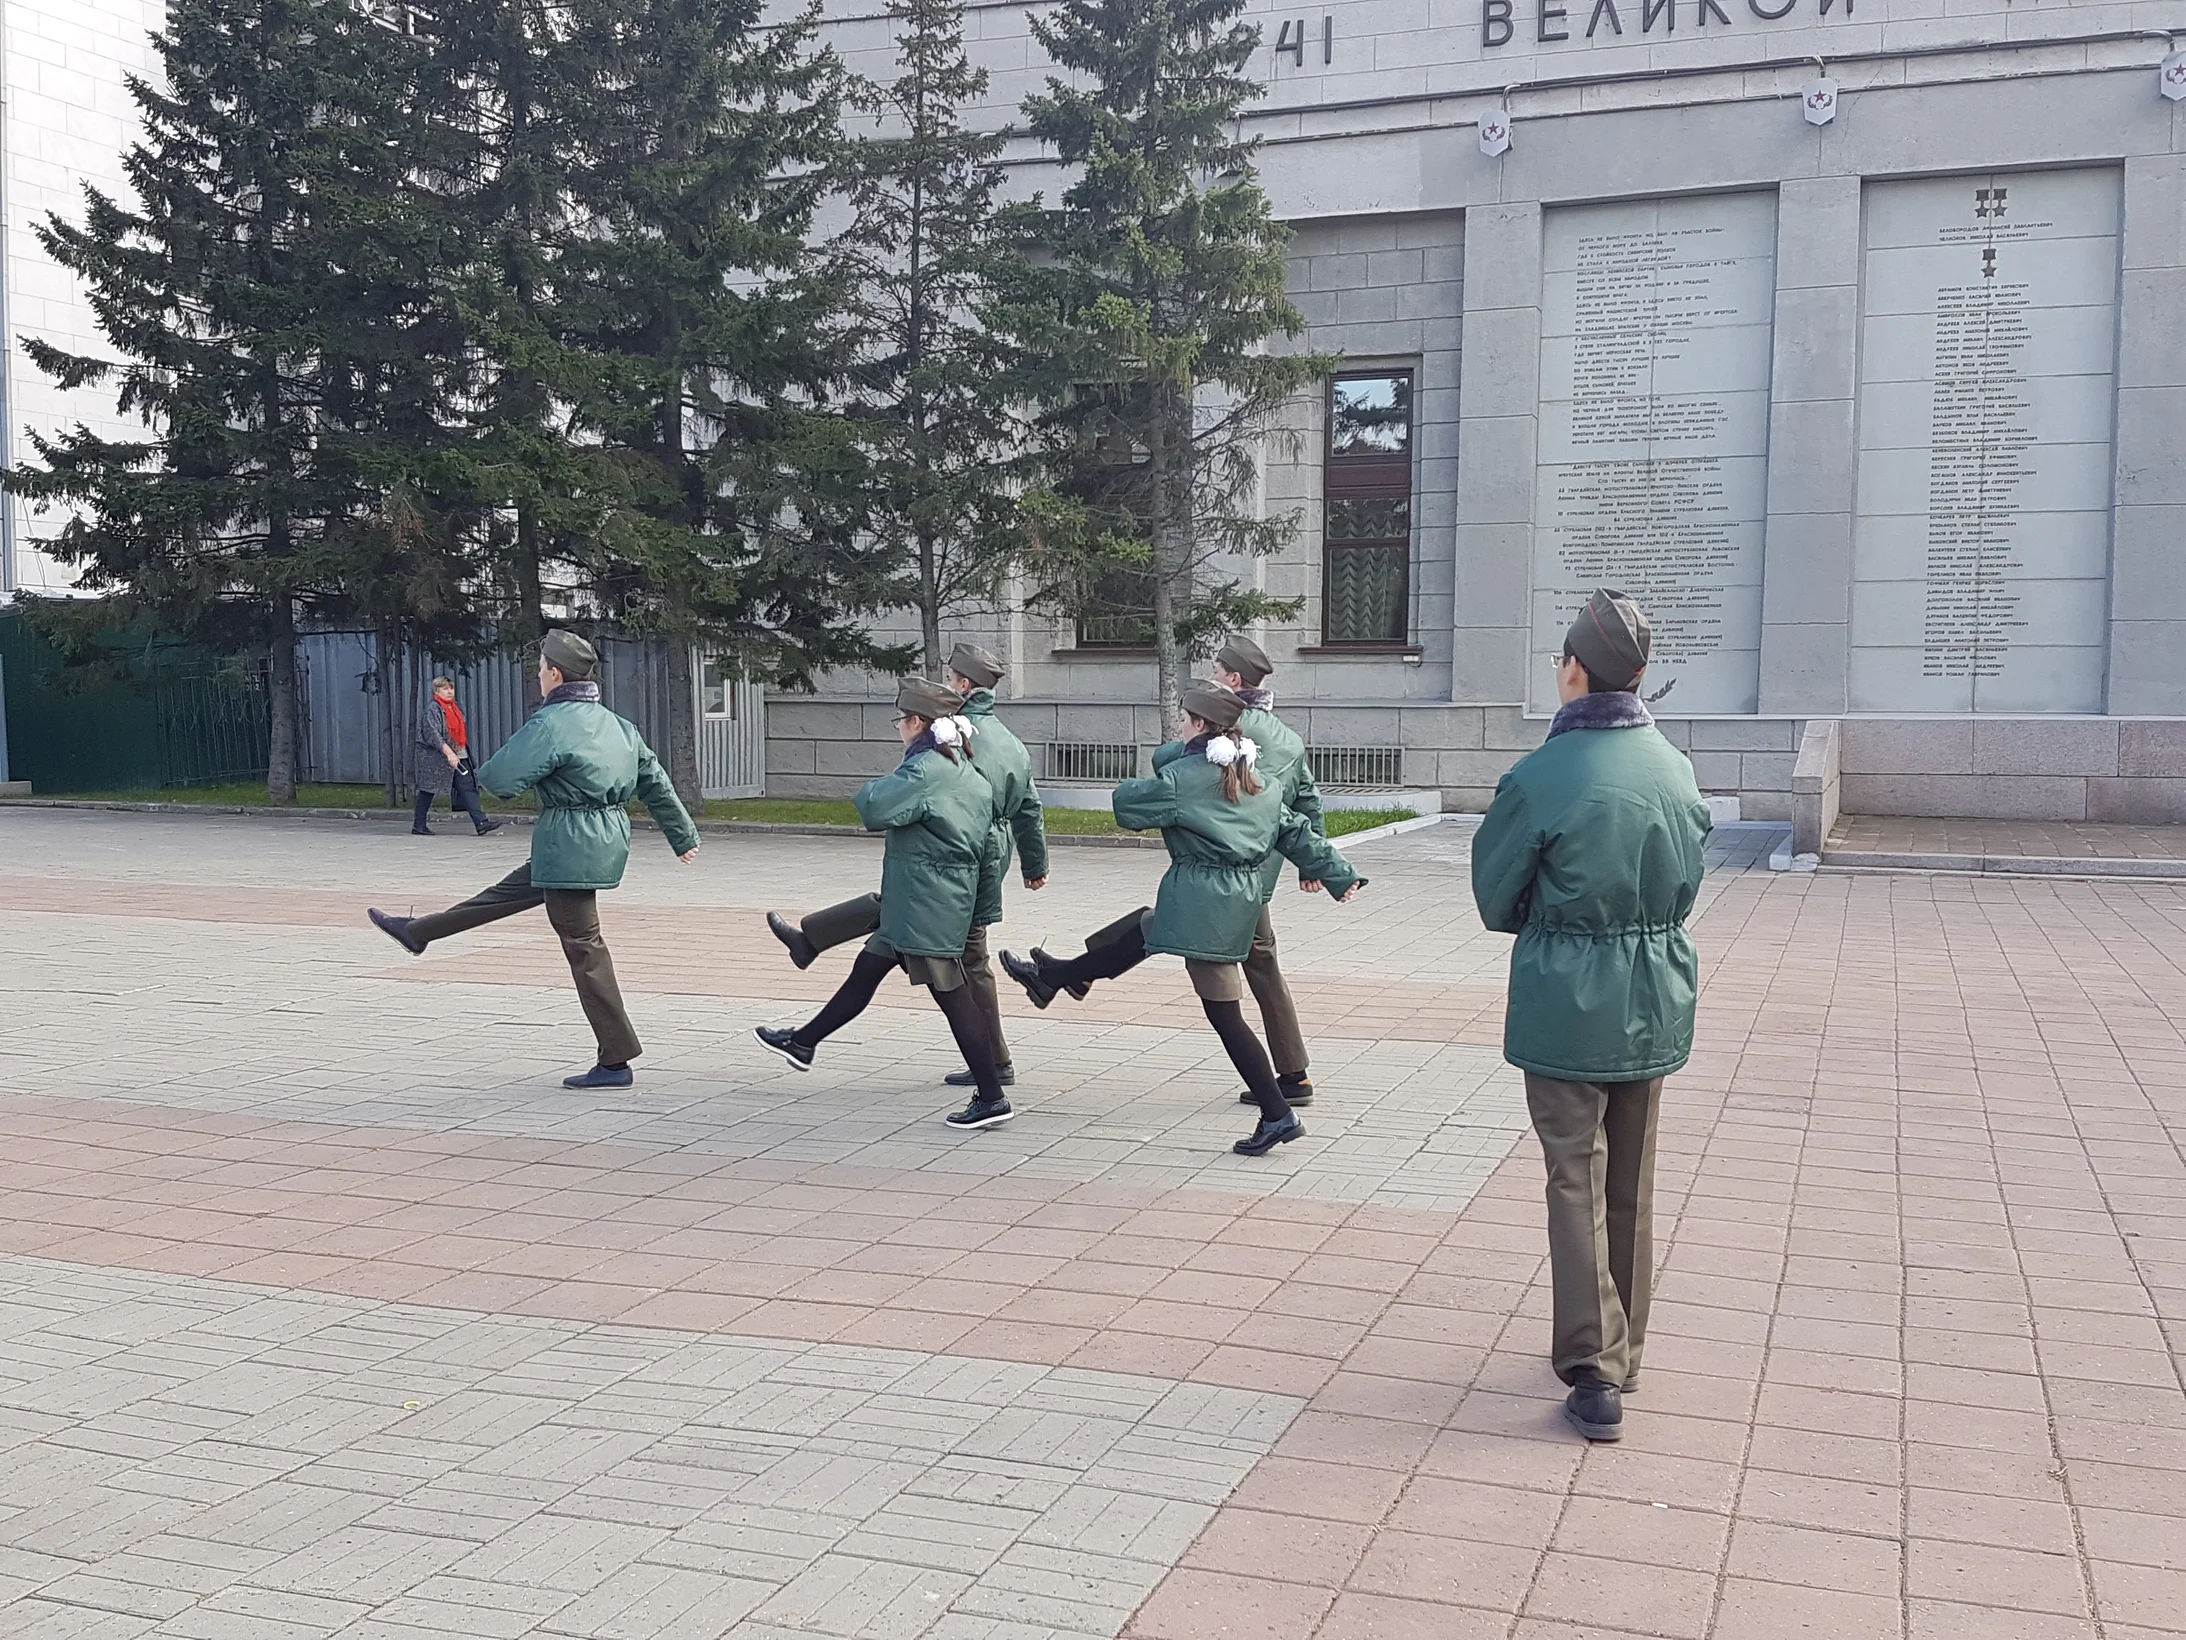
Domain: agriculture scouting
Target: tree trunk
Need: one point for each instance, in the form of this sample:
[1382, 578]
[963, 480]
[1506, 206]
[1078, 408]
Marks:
[1172, 532]
[929, 604]
[682, 745]
[530, 618]
[392, 750]
[281, 749]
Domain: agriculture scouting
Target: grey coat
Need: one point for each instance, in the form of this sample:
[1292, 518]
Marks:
[432, 773]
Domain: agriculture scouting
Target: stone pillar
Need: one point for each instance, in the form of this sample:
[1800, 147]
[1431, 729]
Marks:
[1498, 427]
[1806, 578]
[2148, 526]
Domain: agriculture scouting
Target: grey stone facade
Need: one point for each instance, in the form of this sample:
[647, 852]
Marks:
[1414, 248]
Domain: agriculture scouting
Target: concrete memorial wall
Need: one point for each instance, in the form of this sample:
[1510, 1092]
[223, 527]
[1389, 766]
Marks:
[1652, 469]
[1981, 556]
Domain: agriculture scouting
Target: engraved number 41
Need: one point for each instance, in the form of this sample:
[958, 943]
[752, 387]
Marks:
[1291, 38]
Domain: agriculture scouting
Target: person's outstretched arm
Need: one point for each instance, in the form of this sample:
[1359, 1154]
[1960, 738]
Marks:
[1145, 805]
[525, 758]
[899, 799]
[658, 793]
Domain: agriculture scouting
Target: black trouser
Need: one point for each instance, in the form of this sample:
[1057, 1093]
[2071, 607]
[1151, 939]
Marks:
[855, 919]
[462, 795]
[575, 915]
[1123, 948]
[967, 1020]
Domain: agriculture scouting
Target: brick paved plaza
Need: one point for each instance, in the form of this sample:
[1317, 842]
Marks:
[325, 1310]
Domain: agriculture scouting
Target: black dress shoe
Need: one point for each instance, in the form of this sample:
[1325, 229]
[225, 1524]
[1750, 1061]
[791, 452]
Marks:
[1030, 977]
[1296, 1094]
[1268, 1135]
[601, 1076]
[786, 1044]
[1595, 1410]
[968, 1078]
[800, 948]
[398, 930]
[1077, 991]
[491, 826]
[981, 1113]
[421, 831]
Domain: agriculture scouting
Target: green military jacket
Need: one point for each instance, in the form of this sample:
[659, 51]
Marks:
[1020, 823]
[938, 815]
[1591, 855]
[1283, 768]
[1210, 902]
[586, 764]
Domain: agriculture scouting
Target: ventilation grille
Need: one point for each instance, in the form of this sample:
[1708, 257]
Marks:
[1356, 765]
[1092, 760]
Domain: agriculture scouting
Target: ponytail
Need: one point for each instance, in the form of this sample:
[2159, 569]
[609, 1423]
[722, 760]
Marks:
[1234, 754]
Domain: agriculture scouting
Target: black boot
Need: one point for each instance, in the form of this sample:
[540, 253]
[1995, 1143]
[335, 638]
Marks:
[800, 948]
[1076, 988]
[1268, 1134]
[1296, 1087]
[969, 1078]
[398, 930]
[1031, 976]
[1595, 1410]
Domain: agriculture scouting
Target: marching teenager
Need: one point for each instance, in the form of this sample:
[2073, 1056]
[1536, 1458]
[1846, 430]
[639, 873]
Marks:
[1219, 823]
[1242, 667]
[937, 812]
[586, 764]
[1020, 827]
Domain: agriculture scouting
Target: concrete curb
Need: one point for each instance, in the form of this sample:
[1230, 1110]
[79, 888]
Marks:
[1397, 828]
[2007, 865]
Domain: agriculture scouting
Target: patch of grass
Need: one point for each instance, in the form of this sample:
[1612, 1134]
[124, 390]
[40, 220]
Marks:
[240, 793]
[783, 811]
[1342, 822]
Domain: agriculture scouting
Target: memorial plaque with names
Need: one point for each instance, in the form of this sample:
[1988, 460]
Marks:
[1988, 357]
[1653, 463]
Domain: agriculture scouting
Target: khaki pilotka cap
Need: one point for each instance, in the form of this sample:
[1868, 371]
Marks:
[1611, 639]
[927, 699]
[968, 660]
[569, 655]
[1246, 658]
[1211, 703]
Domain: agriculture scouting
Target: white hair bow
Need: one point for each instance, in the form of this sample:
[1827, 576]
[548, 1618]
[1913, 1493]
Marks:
[1223, 750]
[952, 731]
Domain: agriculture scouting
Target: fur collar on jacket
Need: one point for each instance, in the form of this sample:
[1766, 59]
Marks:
[1260, 700]
[583, 689]
[1611, 709]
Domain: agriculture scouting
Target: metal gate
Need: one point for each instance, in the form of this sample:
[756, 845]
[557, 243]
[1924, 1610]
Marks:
[732, 732]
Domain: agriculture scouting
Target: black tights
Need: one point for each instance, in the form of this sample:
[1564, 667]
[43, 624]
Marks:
[1250, 1058]
[1119, 956]
[966, 1023]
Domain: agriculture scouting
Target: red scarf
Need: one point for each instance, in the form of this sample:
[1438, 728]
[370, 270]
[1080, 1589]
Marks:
[459, 732]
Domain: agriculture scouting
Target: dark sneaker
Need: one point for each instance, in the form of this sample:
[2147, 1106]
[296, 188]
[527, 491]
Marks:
[1268, 1135]
[422, 831]
[601, 1076]
[800, 948]
[966, 1078]
[1029, 976]
[1295, 1094]
[398, 930]
[1595, 1410]
[490, 827]
[981, 1113]
[1077, 991]
[786, 1044]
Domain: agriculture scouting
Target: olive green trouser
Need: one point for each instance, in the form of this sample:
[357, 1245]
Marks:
[1278, 1014]
[1598, 1139]
[855, 919]
[575, 916]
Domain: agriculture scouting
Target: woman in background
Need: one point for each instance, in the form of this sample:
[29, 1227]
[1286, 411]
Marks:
[444, 766]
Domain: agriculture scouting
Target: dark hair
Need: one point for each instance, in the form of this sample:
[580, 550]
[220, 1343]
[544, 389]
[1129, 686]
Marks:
[1594, 685]
[1237, 779]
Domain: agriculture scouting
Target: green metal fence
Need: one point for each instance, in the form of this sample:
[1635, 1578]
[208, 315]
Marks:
[159, 713]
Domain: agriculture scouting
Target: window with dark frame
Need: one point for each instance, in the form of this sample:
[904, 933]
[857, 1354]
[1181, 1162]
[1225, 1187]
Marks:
[1366, 521]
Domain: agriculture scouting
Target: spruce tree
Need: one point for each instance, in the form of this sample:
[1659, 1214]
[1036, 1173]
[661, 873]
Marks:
[938, 430]
[261, 298]
[700, 340]
[1150, 307]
